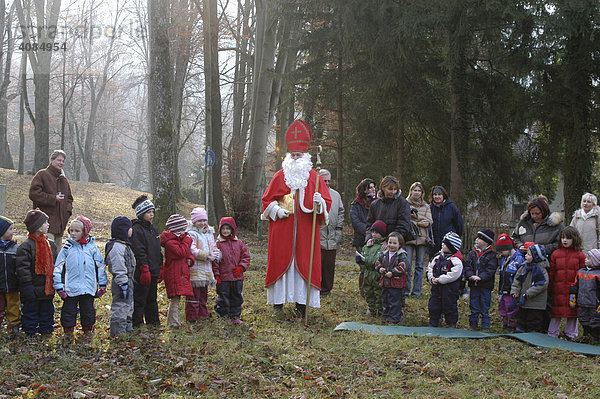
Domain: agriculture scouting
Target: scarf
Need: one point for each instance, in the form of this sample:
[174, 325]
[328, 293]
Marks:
[365, 203]
[44, 264]
[537, 277]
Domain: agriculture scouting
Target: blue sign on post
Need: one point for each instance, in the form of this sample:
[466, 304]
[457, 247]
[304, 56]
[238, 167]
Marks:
[209, 158]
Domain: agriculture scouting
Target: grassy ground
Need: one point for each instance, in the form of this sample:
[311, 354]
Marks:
[265, 358]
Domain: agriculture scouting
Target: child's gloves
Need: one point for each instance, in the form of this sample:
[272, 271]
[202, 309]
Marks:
[381, 270]
[513, 305]
[124, 289]
[62, 294]
[237, 271]
[145, 277]
[27, 293]
[100, 292]
[218, 280]
[522, 299]
[572, 301]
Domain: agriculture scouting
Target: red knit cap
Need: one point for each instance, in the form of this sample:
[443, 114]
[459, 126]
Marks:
[298, 136]
[504, 243]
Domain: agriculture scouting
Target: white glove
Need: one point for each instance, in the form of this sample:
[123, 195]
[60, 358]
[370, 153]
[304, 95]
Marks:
[217, 255]
[317, 198]
[211, 256]
[282, 213]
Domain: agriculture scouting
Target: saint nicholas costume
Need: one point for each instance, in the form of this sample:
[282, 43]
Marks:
[288, 205]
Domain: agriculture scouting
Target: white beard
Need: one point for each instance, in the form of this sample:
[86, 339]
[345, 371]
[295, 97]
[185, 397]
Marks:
[296, 171]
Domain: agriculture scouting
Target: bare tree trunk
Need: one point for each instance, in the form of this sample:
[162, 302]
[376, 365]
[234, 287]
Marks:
[264, 58]
[458, 101]
[214, 127]
[6, 160]
[46, 22]
[22, 102]
[237, 145]
[162, 150]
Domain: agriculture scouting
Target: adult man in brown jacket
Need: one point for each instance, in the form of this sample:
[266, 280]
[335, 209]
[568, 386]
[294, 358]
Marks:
[50, 191]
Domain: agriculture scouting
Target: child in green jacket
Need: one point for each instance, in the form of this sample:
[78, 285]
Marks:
[369, 256]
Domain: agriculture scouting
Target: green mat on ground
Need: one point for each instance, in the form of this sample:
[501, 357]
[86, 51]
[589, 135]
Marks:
[532, 338]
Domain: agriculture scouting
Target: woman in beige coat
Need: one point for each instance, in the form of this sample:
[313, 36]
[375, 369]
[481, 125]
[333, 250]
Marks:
[587, 221]
[417, 248]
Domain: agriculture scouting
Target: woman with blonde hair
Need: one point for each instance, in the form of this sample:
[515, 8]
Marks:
[421, 215]
[587, 220]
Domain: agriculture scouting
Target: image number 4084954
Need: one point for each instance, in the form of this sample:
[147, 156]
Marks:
[26, 46]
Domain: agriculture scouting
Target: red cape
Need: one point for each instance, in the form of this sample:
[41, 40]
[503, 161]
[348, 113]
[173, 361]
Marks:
[281, 231]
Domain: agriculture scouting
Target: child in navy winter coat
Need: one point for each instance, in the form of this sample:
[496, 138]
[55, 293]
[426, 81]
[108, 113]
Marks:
[79, 277]
[509, 262]
[229, 271]
[391, 265]
[479, 270]
[9, 284]
[444, 273]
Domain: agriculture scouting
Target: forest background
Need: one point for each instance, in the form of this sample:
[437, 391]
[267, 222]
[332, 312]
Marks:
[495, 100]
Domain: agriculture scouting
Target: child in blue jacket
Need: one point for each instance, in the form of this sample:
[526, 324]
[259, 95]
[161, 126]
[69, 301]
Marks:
[510, 261]
[79, 277]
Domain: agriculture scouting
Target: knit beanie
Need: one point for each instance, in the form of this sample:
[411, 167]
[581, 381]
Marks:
[119, 228]
[504, 243]
[176, 224]
[87, 225]
[486, 235]
[380, 227]
[5, 223]
[538, 253]
[198, 214]
[594, 255]
[528, 244]
[34, 220]
[142, 205]
[452, 241]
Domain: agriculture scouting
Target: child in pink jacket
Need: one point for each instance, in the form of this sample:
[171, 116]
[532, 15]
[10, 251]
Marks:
[229, 272]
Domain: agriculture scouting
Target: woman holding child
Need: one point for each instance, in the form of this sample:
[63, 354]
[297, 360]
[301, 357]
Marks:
[539, 226]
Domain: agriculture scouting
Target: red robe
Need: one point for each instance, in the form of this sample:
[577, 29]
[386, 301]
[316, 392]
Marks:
[281, 232]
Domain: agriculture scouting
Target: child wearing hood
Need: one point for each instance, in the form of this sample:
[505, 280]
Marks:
[176, 269]
[204, 249]
[121, 264]
[79, 277]
[509, 263]
[530, 289]
[585, 294]
[229, 271]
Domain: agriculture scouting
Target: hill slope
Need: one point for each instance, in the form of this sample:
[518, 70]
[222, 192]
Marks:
[100, 202]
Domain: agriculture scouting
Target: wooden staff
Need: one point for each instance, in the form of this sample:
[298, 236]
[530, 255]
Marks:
[312, 239]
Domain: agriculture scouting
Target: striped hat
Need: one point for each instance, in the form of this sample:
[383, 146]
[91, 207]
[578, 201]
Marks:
[486, 235]
[452, 241]
[34, 220]
[5, 223]
[176, 224]
[538, 253]
[142, 205]
[594, 255]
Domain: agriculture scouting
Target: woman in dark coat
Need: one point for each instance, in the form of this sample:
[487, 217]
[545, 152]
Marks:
[359, 211]
[539, 226]
[446, 217]
[391, 208]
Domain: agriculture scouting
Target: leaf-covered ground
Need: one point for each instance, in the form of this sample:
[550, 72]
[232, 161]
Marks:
[267, 358]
